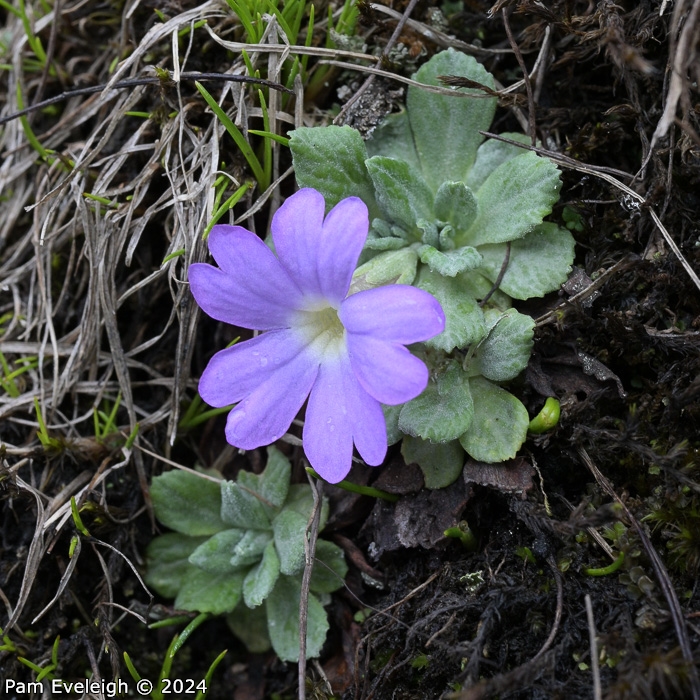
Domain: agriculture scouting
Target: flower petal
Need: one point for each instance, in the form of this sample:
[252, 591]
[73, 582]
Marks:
[340, 411]
[319, 255]
[369, 432]
[266, 414]
[344, 235]
[296, 230]
[251, 290]
[386, 371]
[234, 373]
[397, 313]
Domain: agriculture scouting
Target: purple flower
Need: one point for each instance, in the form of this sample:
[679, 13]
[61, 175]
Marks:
[345, 353]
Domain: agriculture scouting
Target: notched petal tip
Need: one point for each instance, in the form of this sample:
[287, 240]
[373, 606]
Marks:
[250, 288]
[224, 242]
[266, 413]
[350, 209]
[339, 413]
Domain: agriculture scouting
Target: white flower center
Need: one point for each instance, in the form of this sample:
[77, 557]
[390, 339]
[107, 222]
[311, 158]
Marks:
[321, 329]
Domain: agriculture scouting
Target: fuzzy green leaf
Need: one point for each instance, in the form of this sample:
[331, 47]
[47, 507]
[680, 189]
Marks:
[500, 424]
[250, 549]
[446, 238]
[387, 243]
[385, 236]
[391, 267]
[446, 129]
[443, 411]
[440, 463]
[242, 507]
[393, 138]
[187, 503]
[464, 320]
[272, 485]
[290, 534]
[514, 199]
[402, 194]
[282, 607]
[452, 262]
[330, 569]
[391, 417]
[261, 579]
[539, 263]
[213, 593]
[301, 500]
[429, 233]
[331, 159]
[214, 555]
[478, 286]
[490, 155]
[250, 626]
[506, 350]
[456, 204]
[167, 559]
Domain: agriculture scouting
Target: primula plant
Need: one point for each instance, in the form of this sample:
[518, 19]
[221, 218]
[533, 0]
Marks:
[238, 548]
[345, 353]
[463, 219]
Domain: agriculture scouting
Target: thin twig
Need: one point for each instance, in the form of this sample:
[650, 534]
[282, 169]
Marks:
[558, 613]
[603, 174]
[176, 464]
[436, 36]
[532, 127]
[135, 82]
[501, 275]
[682, 49]
[595, 668]
[309, 553]
[661, 575]
[340, 119]
[50, 49]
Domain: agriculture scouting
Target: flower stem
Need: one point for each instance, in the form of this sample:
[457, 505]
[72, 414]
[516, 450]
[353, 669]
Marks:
[355, 488]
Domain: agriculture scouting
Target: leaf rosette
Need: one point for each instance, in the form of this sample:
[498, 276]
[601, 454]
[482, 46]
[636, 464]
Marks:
[238, 549]
[454, 214]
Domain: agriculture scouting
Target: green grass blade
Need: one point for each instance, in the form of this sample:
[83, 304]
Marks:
[308, 39]
[77, 520]
[269, 135]
[185, 634]
[10, 8]
[31, 136]
[172, 256]
[131, 668]
[253, 34]
[282, 21]
[110, 425]
[237, 136]
[226, 206]
[249, 65]
[207, 679]
[267, 143]
[202, 417]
